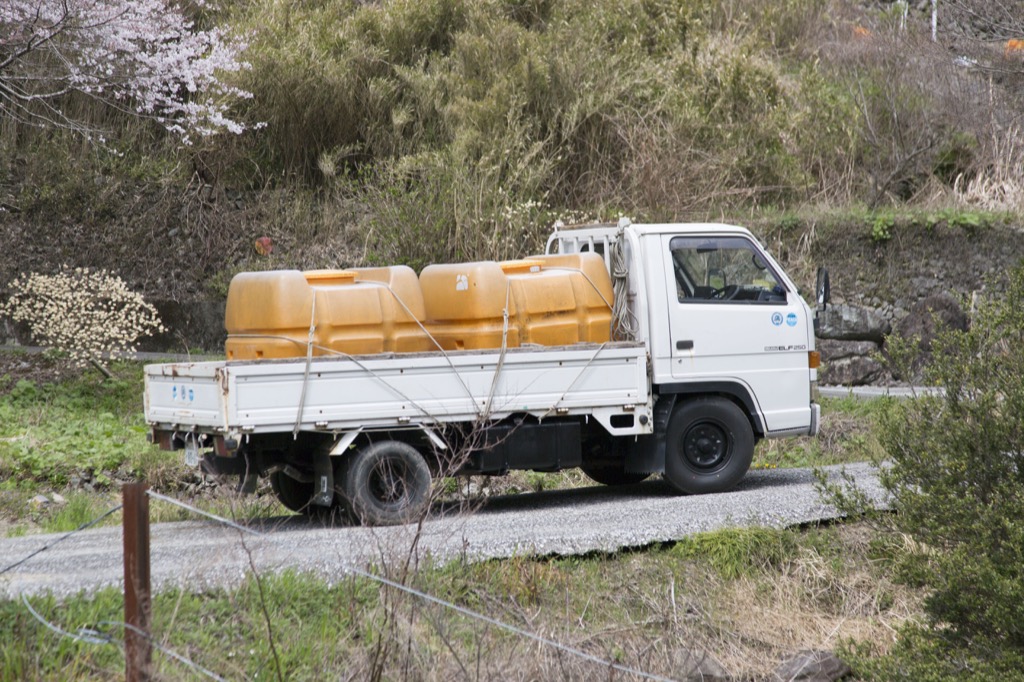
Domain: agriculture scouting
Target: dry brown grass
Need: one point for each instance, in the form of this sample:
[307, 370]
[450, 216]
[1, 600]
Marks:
[814, 603]
[650, 611]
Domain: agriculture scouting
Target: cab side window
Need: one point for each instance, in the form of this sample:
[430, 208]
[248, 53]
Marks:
[723, 269]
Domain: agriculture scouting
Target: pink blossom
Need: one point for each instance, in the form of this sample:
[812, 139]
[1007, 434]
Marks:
[146, 52]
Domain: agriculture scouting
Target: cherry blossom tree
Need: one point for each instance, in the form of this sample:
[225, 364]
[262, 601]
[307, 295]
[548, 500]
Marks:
[147, 57]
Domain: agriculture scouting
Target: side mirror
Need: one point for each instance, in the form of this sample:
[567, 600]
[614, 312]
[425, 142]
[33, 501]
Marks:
[823, 289]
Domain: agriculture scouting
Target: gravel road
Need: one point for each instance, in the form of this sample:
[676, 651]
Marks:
[205, 554]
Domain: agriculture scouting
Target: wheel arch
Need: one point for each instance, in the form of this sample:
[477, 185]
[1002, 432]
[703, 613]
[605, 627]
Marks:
[737, 392]
[649, 453]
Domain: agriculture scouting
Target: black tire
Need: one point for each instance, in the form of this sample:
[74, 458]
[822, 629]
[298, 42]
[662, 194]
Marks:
[294, 495]
[386, 483]
[708, 447]
[612, 474]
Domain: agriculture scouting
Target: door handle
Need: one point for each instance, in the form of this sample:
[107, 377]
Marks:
[684, 345]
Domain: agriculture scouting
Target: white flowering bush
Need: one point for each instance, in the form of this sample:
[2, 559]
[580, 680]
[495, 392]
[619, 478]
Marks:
[89, 313]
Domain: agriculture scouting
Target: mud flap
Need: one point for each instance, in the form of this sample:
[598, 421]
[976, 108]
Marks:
[648, 455]
[323, 478]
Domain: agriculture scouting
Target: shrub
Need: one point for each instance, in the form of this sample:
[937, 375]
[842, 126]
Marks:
[87, 313]
[619, 104]
[957, 483]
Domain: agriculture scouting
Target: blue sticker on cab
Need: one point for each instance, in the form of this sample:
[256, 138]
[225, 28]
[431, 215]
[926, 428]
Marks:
[791, 319]
[777, 319]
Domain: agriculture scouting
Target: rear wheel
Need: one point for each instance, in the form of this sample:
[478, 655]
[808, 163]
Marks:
[386, 483]
[293, 494]
[298, 497]
[709, 446]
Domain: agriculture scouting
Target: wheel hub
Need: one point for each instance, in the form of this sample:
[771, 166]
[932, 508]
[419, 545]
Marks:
[705, 445]
[386, 483]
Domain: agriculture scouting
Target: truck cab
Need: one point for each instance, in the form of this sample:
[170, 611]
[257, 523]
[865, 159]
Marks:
[718, 314]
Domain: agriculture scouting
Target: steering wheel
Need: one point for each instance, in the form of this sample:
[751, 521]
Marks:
[726, 293]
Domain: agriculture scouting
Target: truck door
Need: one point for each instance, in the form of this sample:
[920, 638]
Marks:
[735, 319]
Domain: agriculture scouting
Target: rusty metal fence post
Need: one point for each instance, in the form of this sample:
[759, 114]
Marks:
[138, 651]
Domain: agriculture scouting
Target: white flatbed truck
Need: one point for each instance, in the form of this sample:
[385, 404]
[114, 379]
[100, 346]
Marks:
[716, 352]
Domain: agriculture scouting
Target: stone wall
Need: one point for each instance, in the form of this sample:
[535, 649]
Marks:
[876, 288]
[898, 286]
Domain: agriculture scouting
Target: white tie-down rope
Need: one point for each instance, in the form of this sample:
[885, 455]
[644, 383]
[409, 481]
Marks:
[625, 325]
[309, 361]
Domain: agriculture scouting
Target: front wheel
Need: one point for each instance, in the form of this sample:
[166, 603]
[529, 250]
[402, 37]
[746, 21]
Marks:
[386, 483]
[709, 446]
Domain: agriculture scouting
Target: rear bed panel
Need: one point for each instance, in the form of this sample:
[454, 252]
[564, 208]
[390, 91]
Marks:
[343, 393]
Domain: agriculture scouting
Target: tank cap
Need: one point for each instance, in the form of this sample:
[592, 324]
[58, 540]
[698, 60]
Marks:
[519, 267]
[330, 276]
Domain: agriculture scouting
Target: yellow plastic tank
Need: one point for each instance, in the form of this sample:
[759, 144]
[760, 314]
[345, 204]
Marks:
[592, 288]
[269, 314]
[552, 301]
[464, 305]
[401, 303]
[545, 303]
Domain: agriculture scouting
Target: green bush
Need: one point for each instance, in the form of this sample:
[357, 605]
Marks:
[957, 483]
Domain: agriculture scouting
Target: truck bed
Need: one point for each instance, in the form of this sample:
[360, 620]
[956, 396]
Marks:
[396, 390]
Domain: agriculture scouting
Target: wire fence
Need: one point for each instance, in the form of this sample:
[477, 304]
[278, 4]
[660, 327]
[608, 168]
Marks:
[84, 526]
[93, 636]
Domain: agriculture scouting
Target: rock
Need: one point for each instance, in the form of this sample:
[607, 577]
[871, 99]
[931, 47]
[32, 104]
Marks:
[930, 316]
[849, 363]
[39, 501]
[852, 371]
[194, 324]
[832, 350]
[58, 499]
[812, 666]
[697, 665]
[926, 319]
[853, 323]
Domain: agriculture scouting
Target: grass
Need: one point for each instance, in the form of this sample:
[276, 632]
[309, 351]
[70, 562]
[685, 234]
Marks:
[848, 434]
[81, 430]
[79, 437]
[747, 597]
[777, 592]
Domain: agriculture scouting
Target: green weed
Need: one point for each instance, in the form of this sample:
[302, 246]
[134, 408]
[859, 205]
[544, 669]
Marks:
[78, 510]
[737, 552]
[881, 228]
[83, 429]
